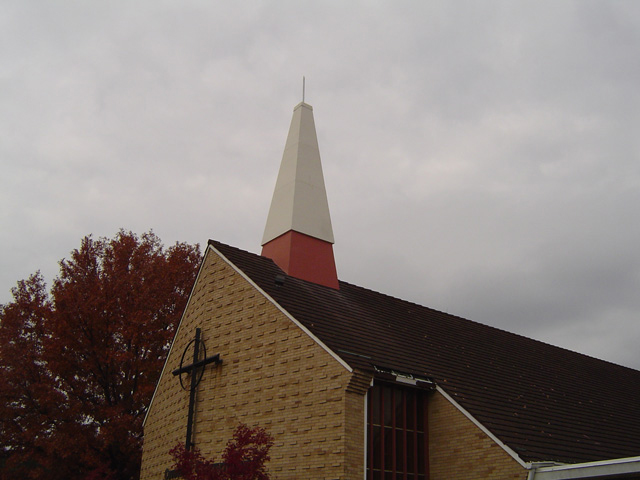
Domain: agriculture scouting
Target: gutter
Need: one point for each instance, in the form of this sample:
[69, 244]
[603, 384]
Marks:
[587, 470]
[534, 466]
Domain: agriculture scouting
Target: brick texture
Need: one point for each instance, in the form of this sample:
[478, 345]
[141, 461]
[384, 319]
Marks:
[273, 375]
[458, 449]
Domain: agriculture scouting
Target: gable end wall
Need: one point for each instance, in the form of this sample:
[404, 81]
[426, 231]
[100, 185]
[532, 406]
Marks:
[273, 375]
[458, 449]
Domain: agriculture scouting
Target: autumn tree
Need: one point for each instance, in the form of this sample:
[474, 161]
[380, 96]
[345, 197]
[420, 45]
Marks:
[244, 458]
[79, 363]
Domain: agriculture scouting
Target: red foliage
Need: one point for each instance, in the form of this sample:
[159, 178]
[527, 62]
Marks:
[244, 458]
[79, 366]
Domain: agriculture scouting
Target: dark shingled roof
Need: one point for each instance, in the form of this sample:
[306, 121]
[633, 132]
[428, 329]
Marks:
[546, 403]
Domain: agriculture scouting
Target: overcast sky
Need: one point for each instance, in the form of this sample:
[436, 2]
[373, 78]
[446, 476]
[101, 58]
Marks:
[481, 158]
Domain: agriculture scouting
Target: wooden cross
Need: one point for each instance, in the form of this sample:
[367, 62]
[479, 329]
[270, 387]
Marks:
[195, 370]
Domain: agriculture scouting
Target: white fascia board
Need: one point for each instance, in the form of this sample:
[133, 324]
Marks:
[279, 307]
[175, 335]
[486, 431]
[604, 468]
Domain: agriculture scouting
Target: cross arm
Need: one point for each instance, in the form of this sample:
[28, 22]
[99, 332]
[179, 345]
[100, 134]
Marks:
[201, 363]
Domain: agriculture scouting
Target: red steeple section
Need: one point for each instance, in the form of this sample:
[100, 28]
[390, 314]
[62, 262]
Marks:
[303, 257]
[298, 234]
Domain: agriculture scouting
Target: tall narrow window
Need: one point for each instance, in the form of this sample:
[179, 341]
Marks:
[397, 434]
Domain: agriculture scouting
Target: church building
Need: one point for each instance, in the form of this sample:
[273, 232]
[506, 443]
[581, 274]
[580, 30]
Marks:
[354, 384]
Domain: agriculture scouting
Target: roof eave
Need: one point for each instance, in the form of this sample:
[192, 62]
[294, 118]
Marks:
[604, 468]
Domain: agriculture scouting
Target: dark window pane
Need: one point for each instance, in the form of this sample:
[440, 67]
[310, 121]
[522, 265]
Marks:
[421, 412]
[387, 405]
[388, 448]
[410, 455]
[399, 402]
[375, 404]
[400, 450]
[411, 406]
[377, 443]
[421, 453]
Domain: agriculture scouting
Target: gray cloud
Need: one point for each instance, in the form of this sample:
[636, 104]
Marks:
[479, 158]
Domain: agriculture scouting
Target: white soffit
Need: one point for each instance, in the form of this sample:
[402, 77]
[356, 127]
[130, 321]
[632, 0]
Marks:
[300, 199]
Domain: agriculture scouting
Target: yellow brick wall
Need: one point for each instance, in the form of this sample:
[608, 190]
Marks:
[273, 375]
[458, 449]
[355, 421]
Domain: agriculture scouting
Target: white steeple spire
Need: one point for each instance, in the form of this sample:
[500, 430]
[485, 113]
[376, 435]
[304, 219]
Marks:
[299, 201]
[298, 236]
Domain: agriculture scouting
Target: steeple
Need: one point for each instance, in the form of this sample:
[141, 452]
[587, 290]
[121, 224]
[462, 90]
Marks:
[298, 234]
